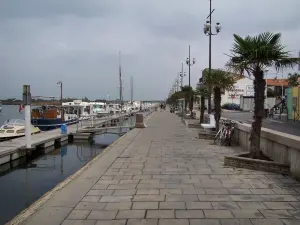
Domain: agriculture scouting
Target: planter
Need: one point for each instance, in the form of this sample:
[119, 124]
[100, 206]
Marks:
[243, 161]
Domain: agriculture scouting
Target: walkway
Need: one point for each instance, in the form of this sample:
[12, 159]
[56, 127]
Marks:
[164, 175]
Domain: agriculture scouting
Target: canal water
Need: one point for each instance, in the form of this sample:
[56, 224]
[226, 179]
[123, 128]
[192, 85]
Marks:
[25, 180]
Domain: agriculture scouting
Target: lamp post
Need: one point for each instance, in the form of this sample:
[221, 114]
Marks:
[177, 82]
[190, 63]
[182, 74]
[208, 32]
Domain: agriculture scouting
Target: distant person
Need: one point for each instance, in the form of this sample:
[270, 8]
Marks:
[161, 107]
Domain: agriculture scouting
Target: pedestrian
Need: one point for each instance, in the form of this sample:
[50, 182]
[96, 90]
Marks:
[161, 107]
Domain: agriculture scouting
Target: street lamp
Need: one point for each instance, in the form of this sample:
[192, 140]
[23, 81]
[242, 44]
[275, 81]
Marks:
[208, 32]
[190, 63]
[182, 74]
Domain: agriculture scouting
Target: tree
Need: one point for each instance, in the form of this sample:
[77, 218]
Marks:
[253, 54]
[208, 91]
[294, 79]
[172, 100]
[202, 91]
[218, 81]
[188, 95]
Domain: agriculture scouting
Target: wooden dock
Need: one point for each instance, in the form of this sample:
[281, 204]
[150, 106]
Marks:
[16, 148]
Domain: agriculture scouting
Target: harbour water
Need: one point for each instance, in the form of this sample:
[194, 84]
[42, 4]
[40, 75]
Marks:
[21, 186]
[25, 180]
[10, 112]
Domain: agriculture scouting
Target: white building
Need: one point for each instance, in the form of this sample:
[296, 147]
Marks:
[242, 87]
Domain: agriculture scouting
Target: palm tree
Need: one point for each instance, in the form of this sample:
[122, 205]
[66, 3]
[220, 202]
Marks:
[293, 79]
[172, 99]
[218, 81]
[202, 91]
[208, 91]
[188, 96]
[253, 54]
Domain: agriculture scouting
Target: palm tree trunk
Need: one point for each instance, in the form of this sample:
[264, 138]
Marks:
[209, 101]
[202, 109]
[191, 105]
[259, 98]
[217, 100]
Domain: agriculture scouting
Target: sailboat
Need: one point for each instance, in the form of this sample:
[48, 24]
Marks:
[120, 80]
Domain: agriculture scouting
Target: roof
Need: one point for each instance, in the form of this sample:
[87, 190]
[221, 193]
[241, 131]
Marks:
[277, 82]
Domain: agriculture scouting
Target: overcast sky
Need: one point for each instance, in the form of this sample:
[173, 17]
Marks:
[77, 41]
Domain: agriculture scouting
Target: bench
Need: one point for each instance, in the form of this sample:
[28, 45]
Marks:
[211, 124]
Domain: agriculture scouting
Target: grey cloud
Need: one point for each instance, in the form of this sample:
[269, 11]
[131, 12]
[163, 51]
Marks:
[51, 8]
[77, 41]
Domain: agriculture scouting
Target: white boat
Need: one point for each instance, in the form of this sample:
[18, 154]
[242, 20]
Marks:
[15, 128]
[126, 108]
[114, 108]
[79, 108]
[99, 109]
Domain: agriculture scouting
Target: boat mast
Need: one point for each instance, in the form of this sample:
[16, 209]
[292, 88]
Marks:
[131, 89]
[120, 80]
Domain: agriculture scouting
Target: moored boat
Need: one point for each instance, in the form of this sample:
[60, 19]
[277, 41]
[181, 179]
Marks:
[15, 128]
[50, 117]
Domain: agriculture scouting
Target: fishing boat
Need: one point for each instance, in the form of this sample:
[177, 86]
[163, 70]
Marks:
[51, 117]
[15, 128]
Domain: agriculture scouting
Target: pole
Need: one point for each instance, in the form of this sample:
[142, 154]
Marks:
[178, 82]
[61, 101]
[27, 102]
[28, 126]
[181, 74]
[189, 61]
[131, 84]
[120, 77]
[209, 57]
[282, 88]
[266, 92]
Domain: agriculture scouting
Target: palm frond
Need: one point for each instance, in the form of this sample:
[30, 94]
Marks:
[263, 50]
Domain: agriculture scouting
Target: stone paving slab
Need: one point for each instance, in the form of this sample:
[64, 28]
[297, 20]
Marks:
[165, 175]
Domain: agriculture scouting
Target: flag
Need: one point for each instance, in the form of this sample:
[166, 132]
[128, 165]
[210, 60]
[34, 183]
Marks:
[20, 109]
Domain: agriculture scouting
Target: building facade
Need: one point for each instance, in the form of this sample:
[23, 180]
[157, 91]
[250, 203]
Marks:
[242, 87]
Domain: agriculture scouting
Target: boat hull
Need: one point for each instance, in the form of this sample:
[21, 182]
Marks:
[50, 124]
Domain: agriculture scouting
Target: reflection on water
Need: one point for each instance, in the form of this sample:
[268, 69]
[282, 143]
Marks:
[24, 181]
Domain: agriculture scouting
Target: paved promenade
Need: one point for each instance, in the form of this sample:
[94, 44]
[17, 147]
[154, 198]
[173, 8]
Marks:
[164, 175]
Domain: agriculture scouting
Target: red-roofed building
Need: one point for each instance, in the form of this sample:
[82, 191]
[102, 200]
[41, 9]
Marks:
[277, 82]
